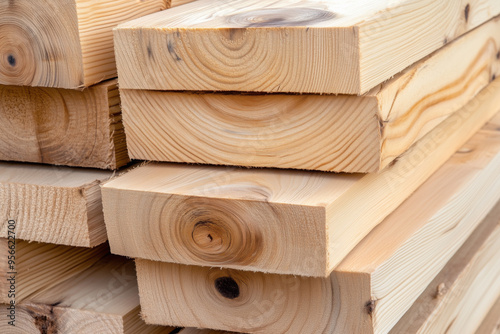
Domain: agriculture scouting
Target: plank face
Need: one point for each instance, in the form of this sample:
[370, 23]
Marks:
[317, 132]
[61, 43]
[460, 296]
[280, 216]
[31, 50]
[304, 46]
[41, 266]
[371, 289]
[60, 205]
[101, 298]
[63, 127]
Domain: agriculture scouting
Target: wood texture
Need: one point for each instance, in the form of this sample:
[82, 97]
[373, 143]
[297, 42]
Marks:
[317, 132]
[267, 219]
[370, 290]
[42, 266]
[491, 323]
[101, 299]
[460, 296]
[174, 3]
[304, 46]
[60, 205]
[62, 126]
[61, 43]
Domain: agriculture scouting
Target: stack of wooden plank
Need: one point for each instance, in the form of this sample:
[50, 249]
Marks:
[61, 137]
[399, 97]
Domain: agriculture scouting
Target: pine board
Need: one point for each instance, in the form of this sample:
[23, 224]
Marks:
[460, 296]
[302, 46]
[316, 132]
[63, 43]
[59, 205]
[491, 322]
[63, 127]
[102, 299]
[41, 266]
[268, 220]
[370, 290]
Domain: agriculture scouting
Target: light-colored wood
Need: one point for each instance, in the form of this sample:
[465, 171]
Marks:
[59, 205]
[270, 220]
[438, 298]
[174, 3]
[41, 266]
[370, 290]
[491, 323]
[102, 299]
[317, 132]
[459, 297]
[304, 46]
[62, 126]
[63, 43]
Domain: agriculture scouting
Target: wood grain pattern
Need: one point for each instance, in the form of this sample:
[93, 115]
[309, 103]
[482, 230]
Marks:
[303, 46]
[61, 43]
[60, 205]
[42, 266]
[316, 132]
[270, 219]
[491, 322]
[62, 126]
[370, 290]
[102, 299]
[436, 298]
[174, 3]
[460, 296]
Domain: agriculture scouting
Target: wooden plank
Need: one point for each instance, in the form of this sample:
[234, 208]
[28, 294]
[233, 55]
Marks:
[102, 299]
[174, 3]
[60, 205]
[268, 220]
[370, 290]
[491, 323]
[317, 132]
[40, 266]
[460, 296]
[304, 46]
[61, 43]
[62, 126]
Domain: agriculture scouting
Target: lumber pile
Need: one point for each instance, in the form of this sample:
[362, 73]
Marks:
[304, 166]
[61, 137]
[402, 239]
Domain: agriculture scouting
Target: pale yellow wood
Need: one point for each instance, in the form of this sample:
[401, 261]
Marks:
[41, 266]
[305, 46]
[62, 126]
[101, 299]
[174, 3]
[318, 132]
[435, 299]
[267, 219]
[60, 205]
[370, 290]
[463, 302]
[63, 43]
[491, 323]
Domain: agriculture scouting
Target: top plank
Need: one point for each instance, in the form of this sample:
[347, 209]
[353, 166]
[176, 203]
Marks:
[302, 46]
